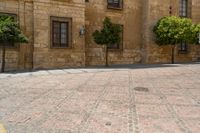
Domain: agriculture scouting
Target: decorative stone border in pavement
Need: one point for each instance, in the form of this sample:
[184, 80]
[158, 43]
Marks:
[51, 72]
[13, 74]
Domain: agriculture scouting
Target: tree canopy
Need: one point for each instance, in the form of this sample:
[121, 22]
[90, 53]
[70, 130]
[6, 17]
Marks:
[10, 31]
[173, 30]
[109, 34]
[195, 33]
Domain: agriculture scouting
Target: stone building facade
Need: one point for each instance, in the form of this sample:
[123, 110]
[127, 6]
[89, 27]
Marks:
[54, 30]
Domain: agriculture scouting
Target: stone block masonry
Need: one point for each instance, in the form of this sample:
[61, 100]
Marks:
[46, 57]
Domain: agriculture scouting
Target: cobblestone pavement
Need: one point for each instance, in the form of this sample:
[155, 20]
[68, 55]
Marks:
[152, 99]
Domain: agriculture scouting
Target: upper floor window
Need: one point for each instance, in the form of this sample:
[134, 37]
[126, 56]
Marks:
[60, 32]
[115, 4]
[183, 12]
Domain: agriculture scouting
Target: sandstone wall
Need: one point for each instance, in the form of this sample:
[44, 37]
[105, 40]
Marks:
[129, 17]
[152, 12]
[46, 57]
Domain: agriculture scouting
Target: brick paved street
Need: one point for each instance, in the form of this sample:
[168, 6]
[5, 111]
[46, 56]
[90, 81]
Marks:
[150, 99]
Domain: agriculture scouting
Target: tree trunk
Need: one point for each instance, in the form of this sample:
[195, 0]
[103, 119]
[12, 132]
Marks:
[3, 58]
[173, 50]
[106, 54]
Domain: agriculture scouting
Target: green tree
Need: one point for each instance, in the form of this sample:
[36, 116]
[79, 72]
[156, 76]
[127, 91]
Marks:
[108, 35]
[174, 30]
[9, 33]
[195, 35]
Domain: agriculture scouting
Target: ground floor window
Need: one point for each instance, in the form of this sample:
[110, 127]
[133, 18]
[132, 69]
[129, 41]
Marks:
[183, 47]
[117, 45]
[61, 32]
[14, 17]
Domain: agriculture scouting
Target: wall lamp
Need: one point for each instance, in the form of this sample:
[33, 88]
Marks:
[82, 31]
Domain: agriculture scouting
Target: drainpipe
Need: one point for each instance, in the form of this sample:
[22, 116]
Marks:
[31, 41]
[145, 39]
[33, 35]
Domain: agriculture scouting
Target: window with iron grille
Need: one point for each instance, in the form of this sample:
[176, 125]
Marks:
[14, 17]
[183, 47]
[183, 12]
[60, 32]
[115, 3]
